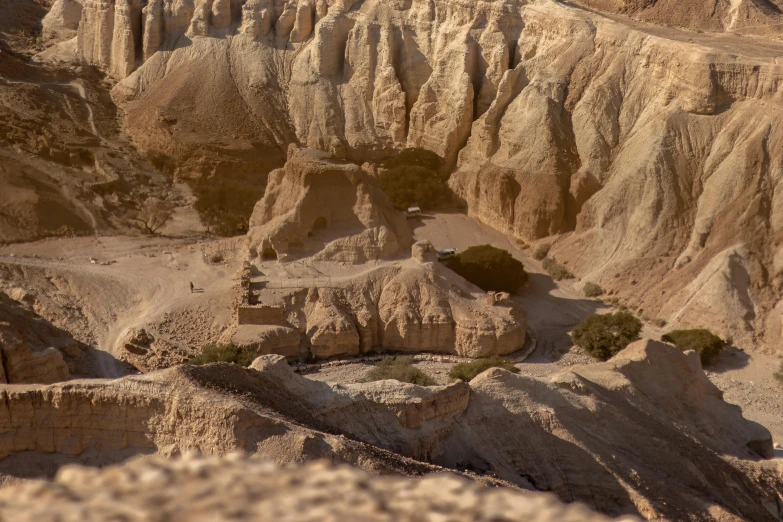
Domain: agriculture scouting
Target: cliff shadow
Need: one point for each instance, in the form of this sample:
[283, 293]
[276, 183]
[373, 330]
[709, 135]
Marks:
[551, 316]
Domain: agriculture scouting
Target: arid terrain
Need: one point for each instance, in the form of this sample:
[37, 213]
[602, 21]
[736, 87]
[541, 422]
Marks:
[180, 176]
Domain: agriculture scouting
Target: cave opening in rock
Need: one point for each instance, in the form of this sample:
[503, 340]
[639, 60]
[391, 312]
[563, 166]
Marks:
[269, 254]
[318, 225]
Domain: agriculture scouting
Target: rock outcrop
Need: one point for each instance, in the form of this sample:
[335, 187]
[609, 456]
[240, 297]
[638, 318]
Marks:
[319, 205]
[405, 306]
[64, 14]
[245, 489]
[33, 351]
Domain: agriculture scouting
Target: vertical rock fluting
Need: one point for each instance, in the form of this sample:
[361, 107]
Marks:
[127, 36]
[558, 120]
[153, 28]
[96, 33]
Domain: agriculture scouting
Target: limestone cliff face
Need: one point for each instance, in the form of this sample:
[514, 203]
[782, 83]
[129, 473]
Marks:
[651, 150]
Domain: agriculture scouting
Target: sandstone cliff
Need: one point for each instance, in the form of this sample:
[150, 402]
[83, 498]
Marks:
[320, 205]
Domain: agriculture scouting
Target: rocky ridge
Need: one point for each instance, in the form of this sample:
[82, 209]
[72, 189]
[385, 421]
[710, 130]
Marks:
[584, 435]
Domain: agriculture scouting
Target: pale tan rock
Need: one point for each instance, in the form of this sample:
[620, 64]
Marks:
[268, 339]
[221, 14]
[413, 307]
[31, 348]
[316, 204]
[248, 489]
[153, 21]
[64, 14]
[643, 147]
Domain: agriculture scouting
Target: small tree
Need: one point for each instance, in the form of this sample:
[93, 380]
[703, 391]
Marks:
[555, 270]
[707, 344]
[490, 268]
[415, 157]
[602, 336]
[153, 214]
[400, 369]
[592, 290]
[541, 252]
[408, 186]
[467, 371]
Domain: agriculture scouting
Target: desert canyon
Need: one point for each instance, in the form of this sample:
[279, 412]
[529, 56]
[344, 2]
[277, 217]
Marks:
[186, 177]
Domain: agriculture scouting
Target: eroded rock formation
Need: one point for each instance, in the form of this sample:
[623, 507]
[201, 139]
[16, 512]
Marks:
[407, 306]
[319, 205]
[645, 433]
[33, 351]
[653, 150]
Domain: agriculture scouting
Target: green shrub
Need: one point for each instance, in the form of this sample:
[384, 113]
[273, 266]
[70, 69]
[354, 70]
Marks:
[602, 336]
[706, 343]
[415, 157]
[592, 290]
[555, 270]
[411, 186]
[466, 371]
[224, 205]
[229, 353]
[541, 252]
[401, 369]
[490, 268]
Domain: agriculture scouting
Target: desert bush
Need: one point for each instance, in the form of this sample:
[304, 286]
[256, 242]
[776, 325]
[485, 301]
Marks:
[224, 205]
[555, 270]
[541, 252]
[779, 374]
[216, 258]
[490, 268]
[466, 371]
[415, 157]
[592, 290]
[230, 353]
[602, 336]
[401, 369]
[707, 344]
[409, 186]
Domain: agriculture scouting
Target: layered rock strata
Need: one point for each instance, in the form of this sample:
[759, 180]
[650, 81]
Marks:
[319, 205]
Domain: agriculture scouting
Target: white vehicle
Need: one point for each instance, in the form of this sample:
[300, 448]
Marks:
[412, 212]
[447, 254]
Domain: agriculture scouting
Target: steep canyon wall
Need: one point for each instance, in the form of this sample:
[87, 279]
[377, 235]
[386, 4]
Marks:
[651, 153]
